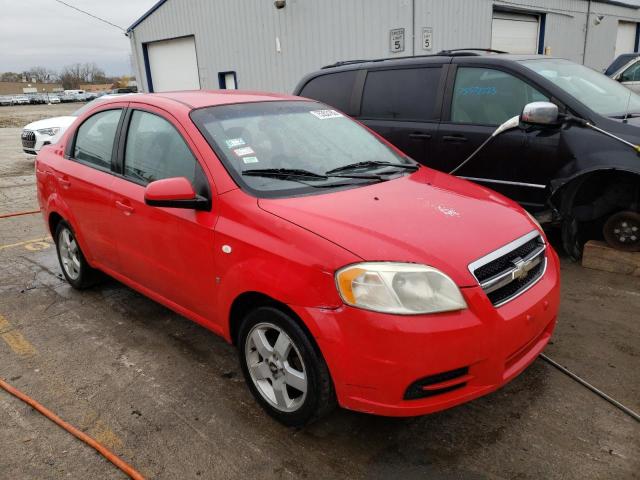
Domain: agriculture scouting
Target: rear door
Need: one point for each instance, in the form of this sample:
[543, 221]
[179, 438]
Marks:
[403, 105]
[167, 251]
[84, 178]
[516, 163]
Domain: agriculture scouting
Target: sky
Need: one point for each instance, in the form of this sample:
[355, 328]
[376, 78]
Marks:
[46, 33]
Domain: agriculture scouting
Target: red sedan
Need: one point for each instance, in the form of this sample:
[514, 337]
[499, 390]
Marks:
[344, 272]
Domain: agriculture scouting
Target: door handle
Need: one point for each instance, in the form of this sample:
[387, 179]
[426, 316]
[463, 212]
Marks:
[126, 209]
[454, 138]
[420, 135]
[64, 181]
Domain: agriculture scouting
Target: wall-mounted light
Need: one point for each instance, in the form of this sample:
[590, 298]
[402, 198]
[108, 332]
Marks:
[279, 4]
[598, 19]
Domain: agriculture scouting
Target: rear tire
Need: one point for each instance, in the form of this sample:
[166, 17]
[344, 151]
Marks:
[75, 267]
[622, 231]
[285, 373]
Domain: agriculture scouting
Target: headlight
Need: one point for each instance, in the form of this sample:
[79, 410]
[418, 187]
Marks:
[533, 219]
[49, 131]
[399, 288]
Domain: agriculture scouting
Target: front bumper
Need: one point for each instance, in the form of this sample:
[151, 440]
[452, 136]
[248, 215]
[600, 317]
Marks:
[32, 141]
[374, 358]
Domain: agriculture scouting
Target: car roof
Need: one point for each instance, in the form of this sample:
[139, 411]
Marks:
[205, 98]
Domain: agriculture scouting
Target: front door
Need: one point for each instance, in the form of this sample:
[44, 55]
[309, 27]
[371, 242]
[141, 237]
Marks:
[630, 78]
[168, 251]
[516, 163]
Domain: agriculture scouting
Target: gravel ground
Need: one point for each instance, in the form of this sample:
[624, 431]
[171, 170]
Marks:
[18, 116]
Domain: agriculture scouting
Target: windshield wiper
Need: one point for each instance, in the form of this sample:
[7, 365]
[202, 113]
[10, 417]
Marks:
[287, 173]
[284, 173]
[372, 163]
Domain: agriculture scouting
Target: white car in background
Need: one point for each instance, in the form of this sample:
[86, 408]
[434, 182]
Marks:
[48, 131]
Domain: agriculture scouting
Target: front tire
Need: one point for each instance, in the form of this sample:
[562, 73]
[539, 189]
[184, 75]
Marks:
[285, 373]
[74, 266]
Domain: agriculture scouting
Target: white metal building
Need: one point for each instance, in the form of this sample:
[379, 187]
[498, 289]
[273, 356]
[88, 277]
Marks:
[253, 44]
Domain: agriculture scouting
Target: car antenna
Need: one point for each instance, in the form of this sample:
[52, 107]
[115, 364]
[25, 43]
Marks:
[626, 112]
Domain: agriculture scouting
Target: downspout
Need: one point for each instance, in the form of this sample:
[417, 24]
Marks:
[586, 33]
[413, 33]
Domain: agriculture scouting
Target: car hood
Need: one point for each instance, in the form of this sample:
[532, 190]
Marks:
[62, 122]
[428, 217]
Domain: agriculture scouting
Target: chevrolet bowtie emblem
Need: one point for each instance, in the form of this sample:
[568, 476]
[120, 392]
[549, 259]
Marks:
[521, 269]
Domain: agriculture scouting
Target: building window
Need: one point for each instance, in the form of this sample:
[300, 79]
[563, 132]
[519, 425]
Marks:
[227, 80]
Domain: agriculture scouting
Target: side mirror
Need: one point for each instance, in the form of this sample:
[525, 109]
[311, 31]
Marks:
[174, 192]
[540, 113]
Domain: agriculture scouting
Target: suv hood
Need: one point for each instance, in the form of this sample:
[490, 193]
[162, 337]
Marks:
[62, 122]
[428, 217]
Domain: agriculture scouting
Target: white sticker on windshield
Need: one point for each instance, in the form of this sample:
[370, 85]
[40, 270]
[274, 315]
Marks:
[241, 152]
[234, 142]
[324, 114]
[250, 159]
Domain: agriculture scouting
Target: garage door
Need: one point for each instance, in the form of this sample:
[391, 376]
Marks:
[515, 32]
[626, 39]
[173, 65]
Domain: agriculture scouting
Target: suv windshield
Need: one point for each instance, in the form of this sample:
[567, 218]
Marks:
[284, 148]
[595, 90]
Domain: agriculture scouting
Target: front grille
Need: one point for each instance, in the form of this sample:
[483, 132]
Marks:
[417, 389]
[512, 269]
[28, 139]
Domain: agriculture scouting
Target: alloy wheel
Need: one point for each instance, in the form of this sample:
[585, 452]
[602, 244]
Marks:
[69, 254]
[276, 367]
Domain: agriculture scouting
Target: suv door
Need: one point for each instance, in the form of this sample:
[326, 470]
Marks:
[84, 179]
[516, 163]
[403, 105]
[168, 252]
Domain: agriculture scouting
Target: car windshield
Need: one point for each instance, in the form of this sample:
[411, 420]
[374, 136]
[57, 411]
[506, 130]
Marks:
[280, 148]
[595, 90]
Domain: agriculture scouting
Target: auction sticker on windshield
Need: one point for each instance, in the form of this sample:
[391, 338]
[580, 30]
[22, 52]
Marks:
[241, 152]
[234, 142]
[325, 114]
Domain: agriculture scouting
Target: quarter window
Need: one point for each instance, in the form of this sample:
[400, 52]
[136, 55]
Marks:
[402, 94]
[489, 97]
[95, 138]
[155, 150]
[333, 89]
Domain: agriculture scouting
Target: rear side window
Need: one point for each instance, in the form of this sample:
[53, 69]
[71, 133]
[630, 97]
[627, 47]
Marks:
[631, 74]
[155, 150]
[95, 138]
[484, 96]
[333, 89]
[403, 94]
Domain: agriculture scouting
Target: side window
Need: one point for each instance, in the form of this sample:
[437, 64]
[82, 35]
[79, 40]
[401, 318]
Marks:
[155, 150]
[95, 137]
[489, 97]
[333, 89]
[631, 74]
[403, 94]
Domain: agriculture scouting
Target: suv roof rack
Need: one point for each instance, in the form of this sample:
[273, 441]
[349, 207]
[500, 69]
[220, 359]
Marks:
[456, 52]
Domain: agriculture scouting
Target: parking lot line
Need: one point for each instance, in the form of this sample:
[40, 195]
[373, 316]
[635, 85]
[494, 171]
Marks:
[26, 242]
[15, 340]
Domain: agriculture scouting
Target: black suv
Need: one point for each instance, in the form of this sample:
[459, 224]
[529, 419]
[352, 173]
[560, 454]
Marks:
[439, 108]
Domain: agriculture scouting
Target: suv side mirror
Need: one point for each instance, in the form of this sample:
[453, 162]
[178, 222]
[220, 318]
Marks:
[174, 192]
[540, 113]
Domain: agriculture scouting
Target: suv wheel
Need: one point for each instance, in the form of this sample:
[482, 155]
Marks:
[283, 370]
[74, 266]
[622, 231]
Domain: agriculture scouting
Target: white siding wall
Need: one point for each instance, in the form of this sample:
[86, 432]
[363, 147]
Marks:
[240, 35]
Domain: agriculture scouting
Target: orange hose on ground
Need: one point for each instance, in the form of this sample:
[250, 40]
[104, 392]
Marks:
[16, 214]
[104, 451]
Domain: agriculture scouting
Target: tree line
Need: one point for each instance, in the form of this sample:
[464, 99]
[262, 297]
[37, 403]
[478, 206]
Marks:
[70, 76]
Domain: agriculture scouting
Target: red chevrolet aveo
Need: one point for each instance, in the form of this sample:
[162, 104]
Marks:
[344, 272]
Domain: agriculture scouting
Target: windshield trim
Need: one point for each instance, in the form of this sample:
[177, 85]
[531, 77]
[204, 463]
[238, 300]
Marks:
[292, 192]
